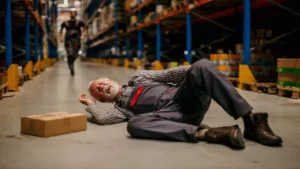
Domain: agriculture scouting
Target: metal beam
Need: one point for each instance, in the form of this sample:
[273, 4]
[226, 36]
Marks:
[284, 7]
[36, 37]
[189, 37]
[8, 34]
[140, 37]
[247, 31]
[116, 30]
[27, 35]
[212, 21]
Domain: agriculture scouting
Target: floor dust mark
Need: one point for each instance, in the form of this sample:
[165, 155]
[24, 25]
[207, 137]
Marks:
[83, 142]
[14, 137]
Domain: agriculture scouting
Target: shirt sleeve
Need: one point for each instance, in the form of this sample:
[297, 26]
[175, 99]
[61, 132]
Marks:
[63, 25]
[104, 117]
[172, 75]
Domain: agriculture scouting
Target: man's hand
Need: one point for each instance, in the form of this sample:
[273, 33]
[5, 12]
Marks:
[61, 37]
[84, 100]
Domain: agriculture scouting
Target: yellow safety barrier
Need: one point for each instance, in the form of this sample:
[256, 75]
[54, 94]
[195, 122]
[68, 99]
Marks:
[42, 65]
[245, 75]
[29, 69]
[37, 67]
[13, 78]
[138, 63]
[126, 63]
[116, 62]
[173, 64]
[186, 63]
[157, 65]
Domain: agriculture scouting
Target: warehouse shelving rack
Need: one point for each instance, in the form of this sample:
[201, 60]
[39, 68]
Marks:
[34, 61]
[186, 16]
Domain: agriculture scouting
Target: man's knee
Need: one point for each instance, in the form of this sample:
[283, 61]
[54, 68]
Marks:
[135, 124]
[204, 64]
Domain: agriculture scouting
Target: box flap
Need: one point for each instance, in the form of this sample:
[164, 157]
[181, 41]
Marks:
[53, 116]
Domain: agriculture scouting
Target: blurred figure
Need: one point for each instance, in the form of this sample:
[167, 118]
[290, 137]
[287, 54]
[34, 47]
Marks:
[75, 30]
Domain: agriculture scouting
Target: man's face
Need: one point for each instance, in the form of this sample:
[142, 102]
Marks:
[73, 15]
[104, 90]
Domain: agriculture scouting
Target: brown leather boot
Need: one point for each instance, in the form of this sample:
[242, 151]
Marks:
[257, 129]
[229, 135]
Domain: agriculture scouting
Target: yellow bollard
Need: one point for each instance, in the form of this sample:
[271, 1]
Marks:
[157, 65]
[42, 67]
[13, 78]
[29, 69]
[126, 63]
[245, 75]
[37, 67]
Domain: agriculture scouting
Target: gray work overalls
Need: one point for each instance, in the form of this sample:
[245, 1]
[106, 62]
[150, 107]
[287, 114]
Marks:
[175, 112]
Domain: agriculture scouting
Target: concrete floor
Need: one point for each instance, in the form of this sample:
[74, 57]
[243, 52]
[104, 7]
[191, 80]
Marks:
[109, 147]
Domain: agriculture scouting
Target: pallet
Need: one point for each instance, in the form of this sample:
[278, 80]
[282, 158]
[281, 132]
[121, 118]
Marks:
[234, 81]
[287, 91]
[270, 88]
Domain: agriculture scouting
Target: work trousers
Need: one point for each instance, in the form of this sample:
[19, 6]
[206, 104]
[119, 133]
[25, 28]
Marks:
[180, 119]
[72, 46]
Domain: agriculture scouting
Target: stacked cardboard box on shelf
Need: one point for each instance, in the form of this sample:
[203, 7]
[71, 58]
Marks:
[227, 63]
[288, 72]
[262, 65]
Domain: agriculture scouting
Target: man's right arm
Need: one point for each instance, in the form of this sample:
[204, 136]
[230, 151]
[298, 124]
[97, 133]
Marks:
[104, 117]
[61, 31]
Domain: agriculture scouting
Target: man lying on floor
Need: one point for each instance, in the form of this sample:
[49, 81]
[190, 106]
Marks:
[170, 104]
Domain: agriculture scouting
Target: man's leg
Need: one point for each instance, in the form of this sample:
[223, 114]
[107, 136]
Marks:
[167, 126]
[71, 64]
[204, 81]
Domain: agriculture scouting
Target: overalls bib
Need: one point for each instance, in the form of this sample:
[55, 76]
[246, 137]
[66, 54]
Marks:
[148, 98]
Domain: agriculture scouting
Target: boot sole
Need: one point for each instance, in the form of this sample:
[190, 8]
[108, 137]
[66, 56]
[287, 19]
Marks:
[276, 142]
[238, 142]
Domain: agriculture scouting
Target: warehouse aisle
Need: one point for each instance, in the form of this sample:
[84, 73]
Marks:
[109, 147]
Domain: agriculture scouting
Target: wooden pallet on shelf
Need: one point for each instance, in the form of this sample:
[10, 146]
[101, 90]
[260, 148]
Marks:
[287, 91]
[270, 88]
[3, 84]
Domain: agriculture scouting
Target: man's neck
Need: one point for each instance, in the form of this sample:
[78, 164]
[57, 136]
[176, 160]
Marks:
[119, 93]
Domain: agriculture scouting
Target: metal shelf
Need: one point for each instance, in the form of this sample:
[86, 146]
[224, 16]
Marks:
[102, 31]
[140, 7]
[35, 15]
[96, 11]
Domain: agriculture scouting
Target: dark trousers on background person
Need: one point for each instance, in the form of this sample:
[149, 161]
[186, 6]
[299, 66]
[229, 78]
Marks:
[180, 119]
[72, 46]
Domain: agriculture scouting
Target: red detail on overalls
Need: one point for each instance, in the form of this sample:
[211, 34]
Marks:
[172, 91]
[137, 95]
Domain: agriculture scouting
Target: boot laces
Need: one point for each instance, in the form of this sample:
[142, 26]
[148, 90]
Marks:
[263, 126]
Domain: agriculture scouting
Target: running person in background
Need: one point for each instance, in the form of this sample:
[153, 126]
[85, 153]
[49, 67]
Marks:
[74, 31]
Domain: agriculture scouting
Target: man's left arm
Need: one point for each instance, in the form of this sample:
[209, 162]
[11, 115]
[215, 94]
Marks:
[82, 24]
[172, 75]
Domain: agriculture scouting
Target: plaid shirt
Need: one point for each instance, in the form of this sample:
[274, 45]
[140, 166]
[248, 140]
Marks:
[119, 113]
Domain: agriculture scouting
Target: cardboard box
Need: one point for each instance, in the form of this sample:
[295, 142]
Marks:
[286, 63]
[53, 124]
[298, 63]
[287, 77]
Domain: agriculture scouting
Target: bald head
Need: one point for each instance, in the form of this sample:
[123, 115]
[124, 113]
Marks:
[104, 89]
